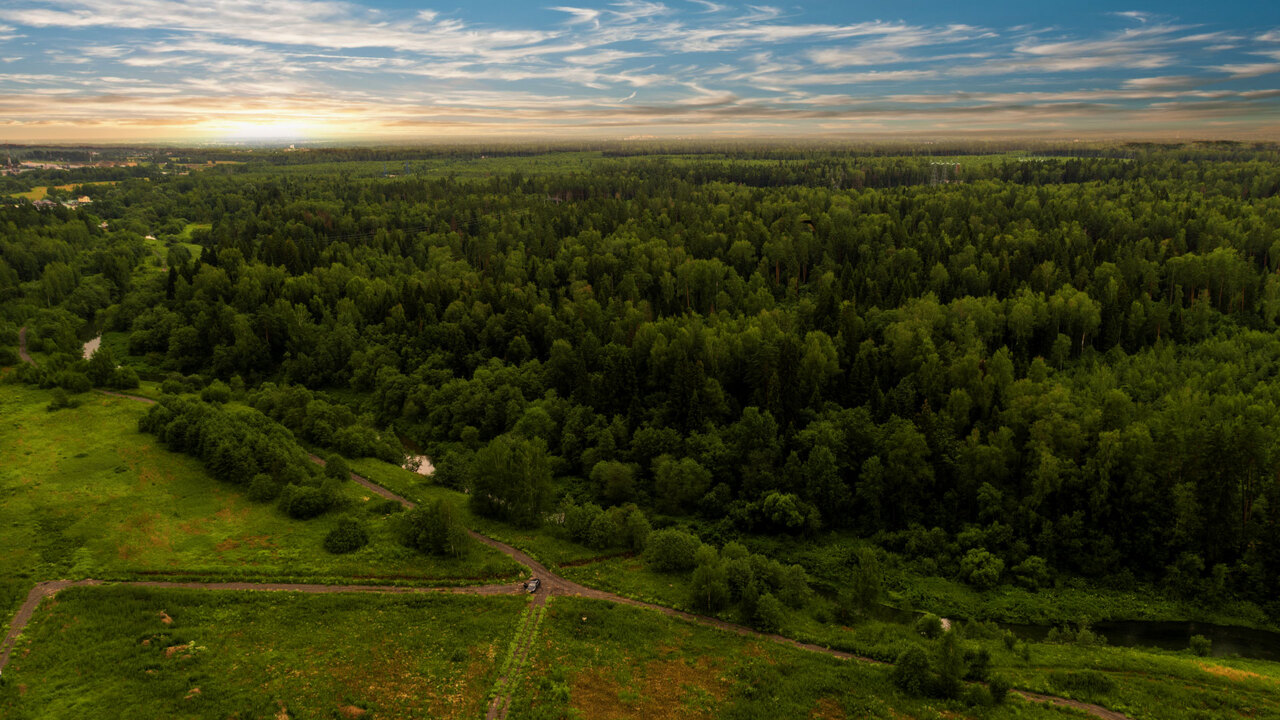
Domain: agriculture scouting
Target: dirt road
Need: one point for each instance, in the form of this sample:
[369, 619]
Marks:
[552, 584]
[22, 346]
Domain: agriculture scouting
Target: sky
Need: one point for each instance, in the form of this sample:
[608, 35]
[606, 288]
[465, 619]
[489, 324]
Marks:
[389, 70]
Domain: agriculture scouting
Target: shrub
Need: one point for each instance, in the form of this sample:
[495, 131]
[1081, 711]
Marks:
[336, 467]
[172, 387]
[216, 392]
[978, 660]
[1032, 573]
[911, 672]
[1201, 645]
[350, 535]
[386, 507]
[999, 687]
[60, 400]
[1009, 639]
[636, 530]
[263, 488]
[124, 378]
[929, 625]
[73, 382]
[981, 568]
[302, 503]
[769, 613]
[978, 696]
[670, 550]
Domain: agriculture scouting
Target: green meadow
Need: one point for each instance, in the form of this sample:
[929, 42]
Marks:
[147, 653]
[83, 493]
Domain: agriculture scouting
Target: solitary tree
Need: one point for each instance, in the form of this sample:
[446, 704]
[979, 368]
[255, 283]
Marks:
[511, 479]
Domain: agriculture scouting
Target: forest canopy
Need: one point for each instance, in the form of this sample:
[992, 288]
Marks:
[1038, 364]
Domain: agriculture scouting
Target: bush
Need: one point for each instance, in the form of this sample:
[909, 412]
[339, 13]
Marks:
[60, 400]
[263, 488]
[1201, 645]
[303, 503]
[350, 535]
[929, 625]
[124, 378]
[978, 696]
[336, 467]
[73, 382]
[978, 660]
[769, 613]
[1032, 573]
[911, 672]
[216, 392]
[172, 387]
[1009, 639]
[980, 568]
[670, 550]
[999, 687]
[386, 507]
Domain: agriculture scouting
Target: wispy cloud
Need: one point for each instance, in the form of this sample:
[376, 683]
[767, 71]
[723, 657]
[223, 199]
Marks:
[636, 64]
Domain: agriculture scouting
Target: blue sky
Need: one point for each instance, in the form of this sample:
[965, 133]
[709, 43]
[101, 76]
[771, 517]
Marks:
[100, 70]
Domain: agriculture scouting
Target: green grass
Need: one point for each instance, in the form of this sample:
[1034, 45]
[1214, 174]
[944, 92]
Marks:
[83, 493]
[601, 660]
[1149, 684]
[102, 652]
[34, 194]
[1070, 602]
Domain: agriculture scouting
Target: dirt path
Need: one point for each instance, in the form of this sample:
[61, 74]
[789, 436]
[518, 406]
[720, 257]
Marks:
[127, 396]
[39, 592]
[553, 584]
[22, 346]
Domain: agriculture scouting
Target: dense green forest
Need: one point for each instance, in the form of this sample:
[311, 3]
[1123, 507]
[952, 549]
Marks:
[1026, 366]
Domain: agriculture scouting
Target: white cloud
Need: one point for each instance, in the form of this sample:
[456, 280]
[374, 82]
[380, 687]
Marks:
[579, 15]
[1249, 70]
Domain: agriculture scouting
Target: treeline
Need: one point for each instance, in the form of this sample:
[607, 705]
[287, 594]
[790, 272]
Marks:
[245, 448]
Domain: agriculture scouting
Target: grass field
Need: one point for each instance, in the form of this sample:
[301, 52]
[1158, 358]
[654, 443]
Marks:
[83, 493]
[600, 660]
[1149, 684]
[256, 655]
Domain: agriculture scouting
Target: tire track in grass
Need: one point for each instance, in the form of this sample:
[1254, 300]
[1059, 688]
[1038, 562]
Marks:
[522, 647]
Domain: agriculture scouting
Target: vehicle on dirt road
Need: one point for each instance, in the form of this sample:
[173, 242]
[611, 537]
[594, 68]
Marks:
[532, 585]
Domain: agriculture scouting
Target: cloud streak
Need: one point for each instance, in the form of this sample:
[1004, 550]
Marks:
[342, 69]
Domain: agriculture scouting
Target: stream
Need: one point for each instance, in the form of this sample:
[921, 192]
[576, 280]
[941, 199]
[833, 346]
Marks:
[1164, 635]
